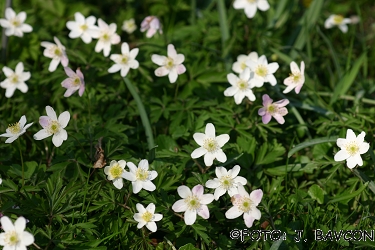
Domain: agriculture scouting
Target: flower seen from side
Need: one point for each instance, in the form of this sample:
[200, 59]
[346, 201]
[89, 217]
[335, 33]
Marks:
[125, 60]
[246, 205]
[82, 27]
[193, 202]
[14, 23]
[107, 36]
[140, 176]
[210, 145]
[129, 26]
[240, 64]
[14, 236]
[115, 170]
[251, 6]
[263, 71]
[152, 25]
[337, 20]
[147, 217]
[351, 148]
[226, 181]
[171, 65]
[276, 110]
[53, 126]
[15, 80]
[74, 82]
[56, 52]
[296, 79]
[241, 86]
[15, 130]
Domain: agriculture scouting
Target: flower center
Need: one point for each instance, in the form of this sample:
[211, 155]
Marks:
[124, 59]
[243, 66]
[193, 202]
[57, 51]
[14, 128]
[169, 63]
[54, 127]
[251, 1]
[337, 19]
[352, 148]
[261, 70]
[147, 216]
[141, 174]
[242, 85]
[226, 182]
[116, 171]
[14, 79]
[295, 77]
[243, 203]
[11, 238]
[84, 27]
[76, 81]
[105, 37]
[271, 109]
[15, 22]
[210, 145]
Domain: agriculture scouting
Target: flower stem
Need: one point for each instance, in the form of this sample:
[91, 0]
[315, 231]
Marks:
[223, 21]
[364, 178]
[23, 172]
[142, 113]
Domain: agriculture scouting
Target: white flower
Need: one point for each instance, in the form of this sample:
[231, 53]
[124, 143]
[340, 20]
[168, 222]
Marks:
[337, 20]
[107, 36]
[296, 78]
[125, 61]
[245, 204]
[240, 64]
[115, 171]
[226, 181]
[152, 25]
[14, 24]
[251, 6]
[1, 180]
[192, 203]
[56, 52]
[129, 26]
[16, 130]
[263, 72]
[74, 82]
[241, 86]
[171, 65]
[53, 126]
[146, 216]
[210, 145]
[15, 80]
[351, 148]
[14, 237]
[140, 177]
[82, 27]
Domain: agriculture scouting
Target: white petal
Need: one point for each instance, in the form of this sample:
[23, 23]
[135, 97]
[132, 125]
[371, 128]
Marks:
[179, 206]
[204, 212]
[213, 183]
[184, 191]
[220, 156]
[233, 212]
[42, 134]
[64, 118]
[256, 196]
[231, 91]
[209, 159]
[159, 60]
[190, 217]
[118, 183]
[210, 130]
[198, 152]
[341, 155]
[222, 139]
[199, 137]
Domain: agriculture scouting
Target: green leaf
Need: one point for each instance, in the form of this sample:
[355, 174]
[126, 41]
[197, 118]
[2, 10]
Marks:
[348, 197]
[311, 143]
[188, 246]
[316, 193]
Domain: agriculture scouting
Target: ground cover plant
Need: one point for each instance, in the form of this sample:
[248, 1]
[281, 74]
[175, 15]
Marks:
[171, 124]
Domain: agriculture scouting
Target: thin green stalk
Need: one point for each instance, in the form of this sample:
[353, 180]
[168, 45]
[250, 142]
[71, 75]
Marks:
[223, 21]
[365, 179]
[348, 97]
[193, 6]
[142, 113]
[23, 171]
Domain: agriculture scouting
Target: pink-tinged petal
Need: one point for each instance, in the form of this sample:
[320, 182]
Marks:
[64, 119]
[219, 192]
[231, 91]
[137, 186]
[7, 71]
[234, 171]
[172, 53]
[128, 176]
[232, 79]
[150, 33]
[354, 160]
[184, 191]
[149, 186]
[364, 147]
[42, 134]
[81, 89]
[198, 190]
[262, 111]
[51, 113]
[350, 136]
[282, 103]
[44, 121]
[6, 224]
[298, 88]
[266, 100]
[53, 65]
[220, 156]
[68, 83]
[179, 206]
[294, 68]
[233, 212]
[69, 72]
[263, 5]
[204, 212]
[250, 10]
[179, 59]
[161, 71]
[190, 217]
[209, 159]
[213, 183]
[256, 196]
[180, 69]
[70, 92]
[255, 213]
[172, 76]
[280, 119]
[341, 155]
[210, 130]
[159, 60]
[266, 118]
[249, 220]
[198, 153]
[199, 138]
[222, 139]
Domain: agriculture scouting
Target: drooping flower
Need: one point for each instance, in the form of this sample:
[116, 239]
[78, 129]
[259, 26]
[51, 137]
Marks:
[245, 204]
[140, 177]
[152, 25]
[74, 82]
[276, 110]
[240, 64]
[16, 130]
[115, 171]
[241, 86]
[53, 126]
[226, 181]
[193, 202]
[15, 237]
[82, 27]
[251, 6]
[263, 71]
[210, 145]
[351, 148]
[14, 24]
[146, 216]
[56, 52]
[171, 65]
[125, 60]
[129, 26]
[15, 80]
[296, 78]
[337, 20]
[107, 36]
